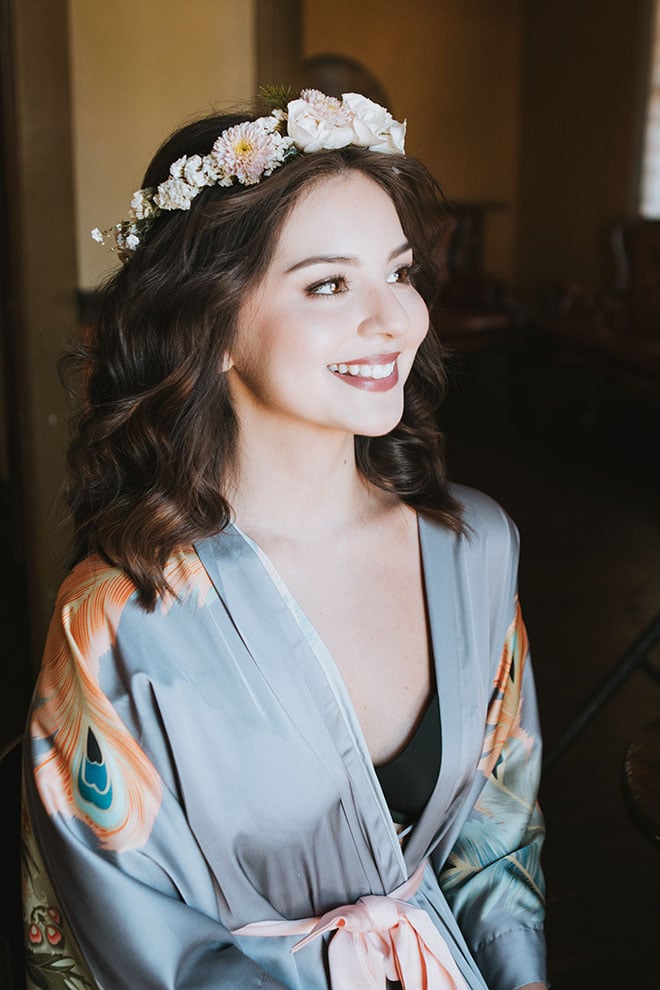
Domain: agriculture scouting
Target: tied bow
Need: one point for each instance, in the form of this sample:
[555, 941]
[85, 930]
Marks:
[379, 938]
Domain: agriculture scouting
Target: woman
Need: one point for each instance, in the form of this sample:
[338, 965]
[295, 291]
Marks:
[284, 733]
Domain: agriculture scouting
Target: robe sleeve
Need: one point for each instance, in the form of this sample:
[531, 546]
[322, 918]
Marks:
[105, 928]
[492, 878]
[117, 892]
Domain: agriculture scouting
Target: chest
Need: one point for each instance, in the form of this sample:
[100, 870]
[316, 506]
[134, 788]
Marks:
[368, 606]
[273, 729]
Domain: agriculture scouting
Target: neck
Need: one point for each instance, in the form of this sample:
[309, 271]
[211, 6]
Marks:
[297, 486]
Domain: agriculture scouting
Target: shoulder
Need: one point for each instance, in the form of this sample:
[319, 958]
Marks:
[486, 551]
[97, 593]
[485, 521]
[475, 571]
[93, 588]
[100, 637]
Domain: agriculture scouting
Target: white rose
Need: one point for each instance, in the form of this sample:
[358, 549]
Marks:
[373, 125]
[393, 141]
[175, 194]
[311, 132]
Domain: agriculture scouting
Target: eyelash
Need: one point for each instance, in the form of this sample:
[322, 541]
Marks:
[409, 273]
[405, 273]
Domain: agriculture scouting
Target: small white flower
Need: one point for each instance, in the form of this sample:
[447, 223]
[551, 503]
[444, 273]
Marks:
[177, 167]
[142, 204]
[373, 125]
[317, 122]
[282, 148]
[175, 194]
[98, 236]
[196, 172]
[271, 122]
[132, 242]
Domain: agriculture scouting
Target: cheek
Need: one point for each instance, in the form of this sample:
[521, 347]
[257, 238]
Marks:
[249, 370]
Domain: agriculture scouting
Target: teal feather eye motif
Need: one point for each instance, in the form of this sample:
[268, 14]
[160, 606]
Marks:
[94, 770]
[93, 778]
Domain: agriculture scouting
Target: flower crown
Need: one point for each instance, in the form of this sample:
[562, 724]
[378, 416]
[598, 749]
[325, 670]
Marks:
[249, 151]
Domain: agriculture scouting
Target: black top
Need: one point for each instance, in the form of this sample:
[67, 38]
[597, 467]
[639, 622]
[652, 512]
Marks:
[408, 779]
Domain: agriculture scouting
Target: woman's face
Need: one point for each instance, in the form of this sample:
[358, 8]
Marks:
[328, 337]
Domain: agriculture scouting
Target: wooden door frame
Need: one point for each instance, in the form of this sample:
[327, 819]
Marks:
[14, 415]
[279, 43]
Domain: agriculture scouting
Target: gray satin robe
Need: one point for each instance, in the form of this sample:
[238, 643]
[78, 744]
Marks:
[198, 768]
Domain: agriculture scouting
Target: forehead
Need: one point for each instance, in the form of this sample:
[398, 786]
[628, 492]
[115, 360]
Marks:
[340, 213]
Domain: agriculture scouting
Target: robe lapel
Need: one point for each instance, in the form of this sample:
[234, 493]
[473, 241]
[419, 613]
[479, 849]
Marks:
[447, 592]
[318, 705]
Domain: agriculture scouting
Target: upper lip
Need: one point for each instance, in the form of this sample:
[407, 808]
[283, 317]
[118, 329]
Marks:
[373, 359]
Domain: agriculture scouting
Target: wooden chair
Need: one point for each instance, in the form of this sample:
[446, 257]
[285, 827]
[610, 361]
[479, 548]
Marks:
[614, 331]
[641, 781]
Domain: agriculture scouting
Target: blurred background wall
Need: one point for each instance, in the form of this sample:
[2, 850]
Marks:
[535, 107]
[454, 70]
[138, 71]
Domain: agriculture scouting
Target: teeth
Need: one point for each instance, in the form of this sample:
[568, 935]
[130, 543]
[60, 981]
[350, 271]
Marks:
[364, 370]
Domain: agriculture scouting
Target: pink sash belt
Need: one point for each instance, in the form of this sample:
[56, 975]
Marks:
[379, 938]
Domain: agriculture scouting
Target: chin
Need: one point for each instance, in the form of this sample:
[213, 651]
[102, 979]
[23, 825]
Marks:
[380, 427]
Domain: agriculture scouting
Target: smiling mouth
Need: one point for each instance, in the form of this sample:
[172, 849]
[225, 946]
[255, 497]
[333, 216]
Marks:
[374, 371]
[380, 374]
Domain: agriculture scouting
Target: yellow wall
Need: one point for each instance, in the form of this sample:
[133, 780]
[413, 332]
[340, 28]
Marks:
[453, 68]
[585, 72]
[139, 69]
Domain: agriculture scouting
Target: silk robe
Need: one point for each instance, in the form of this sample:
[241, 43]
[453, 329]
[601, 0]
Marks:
[198, 768]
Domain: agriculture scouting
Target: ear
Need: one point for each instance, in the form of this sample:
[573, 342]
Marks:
[227, 362]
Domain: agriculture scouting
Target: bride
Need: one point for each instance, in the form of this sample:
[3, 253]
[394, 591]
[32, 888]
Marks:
[285, 732]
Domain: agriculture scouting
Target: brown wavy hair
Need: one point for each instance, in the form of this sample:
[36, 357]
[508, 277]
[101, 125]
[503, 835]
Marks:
[156, 431]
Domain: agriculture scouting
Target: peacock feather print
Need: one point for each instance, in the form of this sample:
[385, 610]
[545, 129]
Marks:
[503, 718]
[92, 768]
[502, 864]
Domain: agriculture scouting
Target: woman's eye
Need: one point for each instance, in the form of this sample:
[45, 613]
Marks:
[329, 287]
[402, 275]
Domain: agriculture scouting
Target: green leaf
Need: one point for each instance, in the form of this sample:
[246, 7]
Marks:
[276, 97]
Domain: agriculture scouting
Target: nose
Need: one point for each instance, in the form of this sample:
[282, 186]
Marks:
[384, 313]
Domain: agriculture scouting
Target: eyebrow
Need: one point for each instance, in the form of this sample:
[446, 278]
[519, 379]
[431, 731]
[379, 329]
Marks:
[341, 259]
